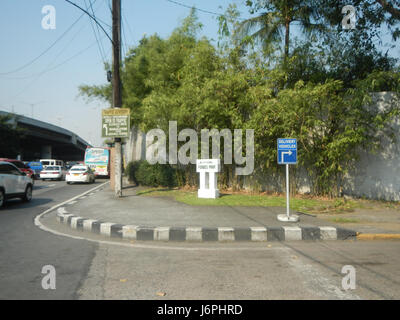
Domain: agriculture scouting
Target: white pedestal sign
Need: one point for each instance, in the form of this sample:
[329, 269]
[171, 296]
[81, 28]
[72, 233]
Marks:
[208, 169]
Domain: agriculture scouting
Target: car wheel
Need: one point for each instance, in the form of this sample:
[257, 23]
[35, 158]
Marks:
[28, 194]
[2, 198]
[68, 182]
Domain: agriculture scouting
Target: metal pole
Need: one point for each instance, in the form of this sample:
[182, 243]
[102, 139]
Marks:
[287, 190]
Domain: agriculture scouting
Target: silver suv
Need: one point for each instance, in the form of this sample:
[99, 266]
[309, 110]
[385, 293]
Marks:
[14, 183]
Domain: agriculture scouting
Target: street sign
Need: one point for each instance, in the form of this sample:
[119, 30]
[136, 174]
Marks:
[115, 123]
[208, 165]
[287, 154]
[287, 151]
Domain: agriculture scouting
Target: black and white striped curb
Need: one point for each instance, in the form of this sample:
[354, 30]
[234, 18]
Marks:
[133, 232]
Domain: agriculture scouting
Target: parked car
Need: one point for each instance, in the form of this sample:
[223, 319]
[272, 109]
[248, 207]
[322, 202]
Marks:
[53, 173]
[80, 173]
[14, 183]
[36, 166]
[21, 166]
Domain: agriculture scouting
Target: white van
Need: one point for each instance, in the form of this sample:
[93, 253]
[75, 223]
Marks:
[51, 162]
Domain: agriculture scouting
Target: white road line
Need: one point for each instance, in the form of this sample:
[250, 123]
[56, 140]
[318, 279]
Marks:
[316, 282]
[37, 223]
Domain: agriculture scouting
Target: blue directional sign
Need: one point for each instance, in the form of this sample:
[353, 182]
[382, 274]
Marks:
[287, 151]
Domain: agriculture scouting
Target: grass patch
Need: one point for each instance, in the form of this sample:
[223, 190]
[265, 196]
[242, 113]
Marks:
[304, 204]
[344, 220]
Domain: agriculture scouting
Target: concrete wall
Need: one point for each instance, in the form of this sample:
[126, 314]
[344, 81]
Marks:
[376, 176]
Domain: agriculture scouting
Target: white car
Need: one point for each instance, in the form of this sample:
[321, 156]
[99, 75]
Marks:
[53, 173]
[14, 183]
[80, 173]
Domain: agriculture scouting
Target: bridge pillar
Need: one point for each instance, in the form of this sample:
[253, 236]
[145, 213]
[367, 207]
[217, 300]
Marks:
[45, 152]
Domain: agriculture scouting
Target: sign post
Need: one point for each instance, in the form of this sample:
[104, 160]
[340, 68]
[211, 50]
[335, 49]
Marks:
[287, 154]
[208, 169]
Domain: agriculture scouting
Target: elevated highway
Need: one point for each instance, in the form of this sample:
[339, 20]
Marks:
[43, 140]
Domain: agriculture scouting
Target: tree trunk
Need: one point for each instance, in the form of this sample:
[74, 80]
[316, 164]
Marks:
[287, 35]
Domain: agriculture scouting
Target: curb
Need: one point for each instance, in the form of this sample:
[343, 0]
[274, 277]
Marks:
[378, 236]
[202, 234]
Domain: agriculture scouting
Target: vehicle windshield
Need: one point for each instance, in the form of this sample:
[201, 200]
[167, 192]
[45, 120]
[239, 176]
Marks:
[79, 169]
[45, 163]
[18, 164]
[52, 168]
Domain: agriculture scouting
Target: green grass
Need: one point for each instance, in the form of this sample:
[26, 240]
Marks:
[301, 204]
[344, 220]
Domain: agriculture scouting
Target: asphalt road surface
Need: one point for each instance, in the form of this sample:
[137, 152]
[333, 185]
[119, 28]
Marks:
[105, 269]
[25, 249]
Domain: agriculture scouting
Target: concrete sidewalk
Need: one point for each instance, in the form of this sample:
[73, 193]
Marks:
[160, 218]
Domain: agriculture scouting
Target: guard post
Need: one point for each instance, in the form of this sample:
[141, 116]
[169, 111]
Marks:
[208, 169]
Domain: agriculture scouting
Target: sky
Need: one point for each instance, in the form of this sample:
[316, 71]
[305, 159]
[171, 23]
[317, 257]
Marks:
[41, 69]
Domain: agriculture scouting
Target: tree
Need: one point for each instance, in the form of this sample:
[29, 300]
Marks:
[10, 137]
[273, 24]
[371, 14]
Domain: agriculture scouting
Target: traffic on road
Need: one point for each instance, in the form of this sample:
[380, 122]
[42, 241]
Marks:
[17, 178]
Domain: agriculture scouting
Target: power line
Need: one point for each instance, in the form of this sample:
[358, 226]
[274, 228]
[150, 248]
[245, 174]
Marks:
[45, 51]
[99, 44]
[61, 51]
[94, 19]
[189, 7]
[55, 67]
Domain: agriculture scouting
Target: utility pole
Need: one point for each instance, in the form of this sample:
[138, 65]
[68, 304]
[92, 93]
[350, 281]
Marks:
[116, 88]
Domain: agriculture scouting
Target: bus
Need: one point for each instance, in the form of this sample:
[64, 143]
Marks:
[98, 159]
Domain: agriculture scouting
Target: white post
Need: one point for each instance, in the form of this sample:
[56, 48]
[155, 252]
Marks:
[202, 180]
[287, 190]
[287, 217]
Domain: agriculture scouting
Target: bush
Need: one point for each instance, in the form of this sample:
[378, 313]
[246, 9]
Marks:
[130, 171]
[153, 175]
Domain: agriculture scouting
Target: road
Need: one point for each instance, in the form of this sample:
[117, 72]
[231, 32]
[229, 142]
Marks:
[25, 249]
[104, 269]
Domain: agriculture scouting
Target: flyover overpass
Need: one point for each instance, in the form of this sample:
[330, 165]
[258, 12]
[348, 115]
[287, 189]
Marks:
[43, 140]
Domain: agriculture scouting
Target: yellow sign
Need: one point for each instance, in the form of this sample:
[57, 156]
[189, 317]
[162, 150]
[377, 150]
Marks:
[116, 112]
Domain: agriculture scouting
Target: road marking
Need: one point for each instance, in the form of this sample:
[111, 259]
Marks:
[316, 282]
[37, 223]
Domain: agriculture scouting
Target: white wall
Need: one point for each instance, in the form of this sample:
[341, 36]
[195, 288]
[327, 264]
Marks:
[375, 176]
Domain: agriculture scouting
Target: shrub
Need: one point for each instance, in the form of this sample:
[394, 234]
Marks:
[144, 173]
[130, 171]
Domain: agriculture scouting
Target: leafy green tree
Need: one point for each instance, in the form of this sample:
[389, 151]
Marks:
[10, 137]
[273, 24]
[186, 79]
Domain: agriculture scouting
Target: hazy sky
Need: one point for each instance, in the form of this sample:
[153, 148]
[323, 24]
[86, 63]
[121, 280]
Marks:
[48, 86]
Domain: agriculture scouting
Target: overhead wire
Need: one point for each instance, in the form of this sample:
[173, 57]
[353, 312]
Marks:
[96, 33]
[46, 50]
[55, 67]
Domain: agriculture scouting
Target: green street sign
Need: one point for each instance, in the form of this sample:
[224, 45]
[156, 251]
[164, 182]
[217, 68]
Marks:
[115, 123]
